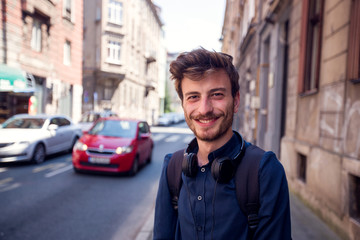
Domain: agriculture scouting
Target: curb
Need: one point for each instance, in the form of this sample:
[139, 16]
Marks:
[147, 230]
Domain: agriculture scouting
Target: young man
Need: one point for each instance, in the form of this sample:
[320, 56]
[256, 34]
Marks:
[207, 84]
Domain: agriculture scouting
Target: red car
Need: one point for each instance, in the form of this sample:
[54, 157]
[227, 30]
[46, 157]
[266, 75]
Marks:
[114, 145]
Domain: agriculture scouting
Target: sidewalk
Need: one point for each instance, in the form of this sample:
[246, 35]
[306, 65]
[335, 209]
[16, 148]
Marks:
[304, 223]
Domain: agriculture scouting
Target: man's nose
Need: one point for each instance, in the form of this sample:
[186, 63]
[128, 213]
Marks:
[205, 106]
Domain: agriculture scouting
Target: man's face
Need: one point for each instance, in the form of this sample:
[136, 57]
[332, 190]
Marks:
[209, 105]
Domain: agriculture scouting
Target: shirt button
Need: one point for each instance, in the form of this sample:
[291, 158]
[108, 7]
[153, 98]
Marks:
[199, 198]
[198, 228]
[202, 169]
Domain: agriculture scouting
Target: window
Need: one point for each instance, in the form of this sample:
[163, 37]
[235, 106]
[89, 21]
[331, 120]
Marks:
[301, 167]
[108, 89]
[114, 51]
[115, 12]
[143, 128]
[354, 198]
[67, 53]
[98, 14]
[354, 43]
[68, 11]
[36, 35]
[311, 33]
[64, 122]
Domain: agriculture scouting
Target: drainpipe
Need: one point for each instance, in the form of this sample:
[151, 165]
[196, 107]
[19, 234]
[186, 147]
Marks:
[4, 37]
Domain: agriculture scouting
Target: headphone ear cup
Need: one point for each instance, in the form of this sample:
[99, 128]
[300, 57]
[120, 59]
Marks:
[190, 165]
[222, 169]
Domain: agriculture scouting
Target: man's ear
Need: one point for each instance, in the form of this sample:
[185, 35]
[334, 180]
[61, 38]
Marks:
[236, 102]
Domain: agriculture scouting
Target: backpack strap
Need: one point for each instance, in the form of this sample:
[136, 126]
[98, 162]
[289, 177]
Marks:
[173, 173]
[247, 186]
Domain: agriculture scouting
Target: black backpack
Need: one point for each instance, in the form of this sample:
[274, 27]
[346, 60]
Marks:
[246, 183]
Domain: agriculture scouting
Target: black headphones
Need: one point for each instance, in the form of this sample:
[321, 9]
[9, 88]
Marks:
[222, 169]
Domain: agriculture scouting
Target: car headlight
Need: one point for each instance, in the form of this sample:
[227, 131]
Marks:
[80, 146]
[126, 149]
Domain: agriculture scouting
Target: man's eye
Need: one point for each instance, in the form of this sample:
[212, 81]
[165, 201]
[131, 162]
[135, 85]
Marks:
[217, 94]
[192, 97]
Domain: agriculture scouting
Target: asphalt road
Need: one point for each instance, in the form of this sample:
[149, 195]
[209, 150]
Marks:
[50, 201]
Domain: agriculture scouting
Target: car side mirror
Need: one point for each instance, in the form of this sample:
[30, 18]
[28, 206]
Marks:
[144, 136]
[53, 127]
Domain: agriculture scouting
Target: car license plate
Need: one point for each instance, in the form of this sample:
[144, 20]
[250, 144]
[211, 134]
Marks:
[99, 160]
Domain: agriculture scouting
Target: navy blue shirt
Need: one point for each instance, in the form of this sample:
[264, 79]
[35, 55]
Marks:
[210, 210]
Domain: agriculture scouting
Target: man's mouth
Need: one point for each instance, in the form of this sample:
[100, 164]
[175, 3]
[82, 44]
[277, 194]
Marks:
[205, 120]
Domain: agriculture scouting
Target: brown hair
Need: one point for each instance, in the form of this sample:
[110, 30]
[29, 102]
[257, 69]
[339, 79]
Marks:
[198, 64]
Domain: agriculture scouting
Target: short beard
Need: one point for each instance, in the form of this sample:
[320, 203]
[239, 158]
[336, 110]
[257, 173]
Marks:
[220, 132]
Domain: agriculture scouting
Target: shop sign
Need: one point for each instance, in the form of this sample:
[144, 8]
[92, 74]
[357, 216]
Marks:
[14, 79]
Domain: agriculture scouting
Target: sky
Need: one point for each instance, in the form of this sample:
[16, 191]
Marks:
[189, 24]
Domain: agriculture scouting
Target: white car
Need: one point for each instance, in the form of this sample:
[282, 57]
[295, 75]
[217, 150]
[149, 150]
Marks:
[26, 137]
[164, 120]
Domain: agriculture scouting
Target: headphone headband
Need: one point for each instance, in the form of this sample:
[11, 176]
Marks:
[222, 169]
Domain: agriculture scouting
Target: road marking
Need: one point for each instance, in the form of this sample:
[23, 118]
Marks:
[6, 180]
[52, 166]
[173, 138]
[6, 184]
[44, 167]
[58, 171]
[171, 130]
[3, 169]
[158, 137]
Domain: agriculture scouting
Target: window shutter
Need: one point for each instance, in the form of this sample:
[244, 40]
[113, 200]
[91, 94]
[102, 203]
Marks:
[354, 43]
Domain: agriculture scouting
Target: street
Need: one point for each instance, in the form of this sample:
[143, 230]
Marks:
[50, 201]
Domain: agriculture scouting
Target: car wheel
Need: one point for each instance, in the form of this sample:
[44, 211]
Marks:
[39, 154]
[135, 167]
[148, 161]
[76, 170]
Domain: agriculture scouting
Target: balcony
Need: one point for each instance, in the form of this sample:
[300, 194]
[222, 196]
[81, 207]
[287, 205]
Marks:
[150, 57]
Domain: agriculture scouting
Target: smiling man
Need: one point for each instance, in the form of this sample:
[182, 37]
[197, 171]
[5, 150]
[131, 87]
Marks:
[206, 205]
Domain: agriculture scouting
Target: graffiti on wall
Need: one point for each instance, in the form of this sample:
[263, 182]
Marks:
[330, 117]
[351, 131]
[340, 125]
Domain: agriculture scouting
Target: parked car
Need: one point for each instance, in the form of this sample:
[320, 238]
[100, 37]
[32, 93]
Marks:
[170, 118]
[114, 145]
[164, 120]
[25, 137]
[89, 118]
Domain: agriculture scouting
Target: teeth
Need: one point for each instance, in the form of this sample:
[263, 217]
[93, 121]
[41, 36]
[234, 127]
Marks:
[204, 121]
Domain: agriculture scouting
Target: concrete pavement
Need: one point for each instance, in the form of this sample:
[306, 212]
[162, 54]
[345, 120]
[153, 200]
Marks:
[304, 223]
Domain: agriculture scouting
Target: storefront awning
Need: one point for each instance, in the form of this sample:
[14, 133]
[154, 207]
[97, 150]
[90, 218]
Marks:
[15, 80]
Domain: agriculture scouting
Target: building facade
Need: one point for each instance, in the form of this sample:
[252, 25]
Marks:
[44, 39]
[299, 74]
[174, 100]
[124, 58]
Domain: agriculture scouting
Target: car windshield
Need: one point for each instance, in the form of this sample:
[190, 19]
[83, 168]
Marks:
[114, 128]
[35, 123]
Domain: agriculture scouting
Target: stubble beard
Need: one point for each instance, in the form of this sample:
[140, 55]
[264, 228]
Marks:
[211, 134]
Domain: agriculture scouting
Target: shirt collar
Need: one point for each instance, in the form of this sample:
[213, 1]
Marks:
[229, 149]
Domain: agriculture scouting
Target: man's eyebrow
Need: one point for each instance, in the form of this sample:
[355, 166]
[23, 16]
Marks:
[211, 91]
[191, 93]
[217, 89]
